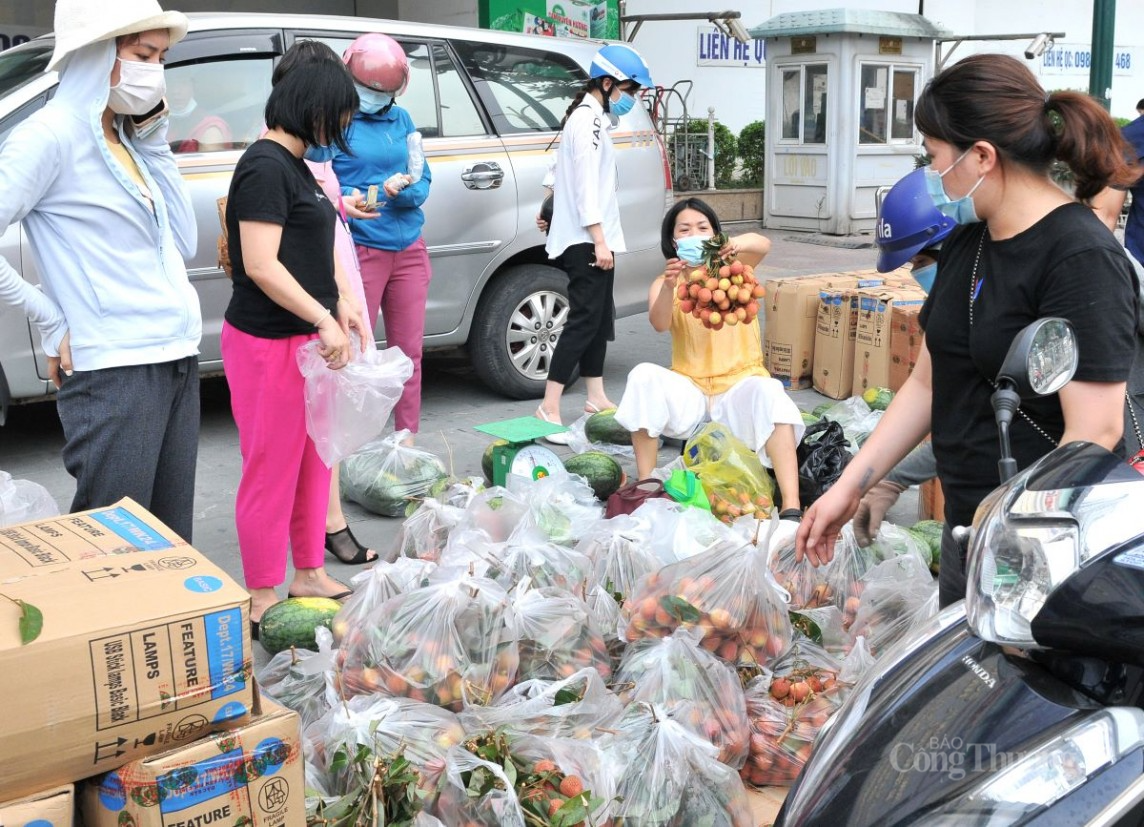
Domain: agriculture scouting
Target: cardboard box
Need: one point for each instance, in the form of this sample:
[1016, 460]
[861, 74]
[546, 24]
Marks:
[833, 373]
[140, 649]
[250, 775]
[931, 501]
[872, 339]
[905, 343]
[50, 808]
[790, 320]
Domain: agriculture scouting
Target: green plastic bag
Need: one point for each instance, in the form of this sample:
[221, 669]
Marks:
[684, 487]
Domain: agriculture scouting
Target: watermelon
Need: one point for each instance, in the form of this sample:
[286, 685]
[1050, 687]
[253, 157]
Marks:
[291, 622]
[602, 427]
[386, 485]
[601, 471]
[929, 532]
[487, 459]
[878, 398]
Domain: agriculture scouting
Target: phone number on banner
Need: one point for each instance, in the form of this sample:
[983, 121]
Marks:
[1064, 58]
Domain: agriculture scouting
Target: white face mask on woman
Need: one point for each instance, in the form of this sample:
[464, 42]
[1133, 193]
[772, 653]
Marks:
[141, 86]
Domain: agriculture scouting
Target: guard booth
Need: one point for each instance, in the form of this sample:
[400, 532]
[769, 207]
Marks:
[841, 87]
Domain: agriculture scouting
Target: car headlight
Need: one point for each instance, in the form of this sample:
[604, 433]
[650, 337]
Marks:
[1037, 779]
[1013, 568]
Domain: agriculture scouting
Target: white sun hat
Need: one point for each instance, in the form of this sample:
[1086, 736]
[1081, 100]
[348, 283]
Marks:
[81, 22]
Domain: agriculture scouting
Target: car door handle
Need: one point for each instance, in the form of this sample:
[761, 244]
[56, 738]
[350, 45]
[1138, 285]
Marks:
[483, 175]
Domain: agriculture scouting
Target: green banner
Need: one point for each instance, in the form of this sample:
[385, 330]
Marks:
[554, 18]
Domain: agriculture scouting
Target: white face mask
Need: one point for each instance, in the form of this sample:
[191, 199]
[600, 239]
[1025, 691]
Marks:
[141, 86]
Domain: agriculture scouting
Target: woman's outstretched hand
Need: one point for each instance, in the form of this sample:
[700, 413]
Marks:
[821, 524]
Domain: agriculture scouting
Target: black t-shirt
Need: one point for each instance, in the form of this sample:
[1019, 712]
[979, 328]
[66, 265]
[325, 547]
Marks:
[271, 185]
[1067, 264]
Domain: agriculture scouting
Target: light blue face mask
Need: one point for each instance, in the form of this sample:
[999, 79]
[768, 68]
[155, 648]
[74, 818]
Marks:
[624, 105]
[924, 276]
[371, 101]
[690, 248]
[961, 210]
[319, 154]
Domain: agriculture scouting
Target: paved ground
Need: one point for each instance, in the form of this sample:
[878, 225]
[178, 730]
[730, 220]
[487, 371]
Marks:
[453, 402]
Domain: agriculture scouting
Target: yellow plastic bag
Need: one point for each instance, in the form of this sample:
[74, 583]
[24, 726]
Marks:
[735, 480]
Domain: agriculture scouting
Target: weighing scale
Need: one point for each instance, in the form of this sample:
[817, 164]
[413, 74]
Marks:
[522, 455]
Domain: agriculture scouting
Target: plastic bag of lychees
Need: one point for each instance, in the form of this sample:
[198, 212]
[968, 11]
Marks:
[694, 688]
[725, 595]
[670, 777]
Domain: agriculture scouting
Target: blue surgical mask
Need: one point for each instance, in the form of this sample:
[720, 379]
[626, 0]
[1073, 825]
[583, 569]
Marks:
[961, 210]
[624, 105]
[371, 101]
[319, 154]
[924, 276]
[690, 248]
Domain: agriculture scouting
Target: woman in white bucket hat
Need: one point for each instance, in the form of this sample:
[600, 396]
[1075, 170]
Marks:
[109, 219]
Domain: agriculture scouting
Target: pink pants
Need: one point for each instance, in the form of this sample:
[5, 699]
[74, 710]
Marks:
[285, 486]
[398, 284]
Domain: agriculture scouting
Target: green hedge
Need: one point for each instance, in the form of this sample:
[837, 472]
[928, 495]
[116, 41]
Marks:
[752, 152]
[725, 150]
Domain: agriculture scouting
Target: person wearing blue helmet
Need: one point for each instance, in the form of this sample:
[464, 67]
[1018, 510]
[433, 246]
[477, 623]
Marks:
[910, 229]
[584, 232]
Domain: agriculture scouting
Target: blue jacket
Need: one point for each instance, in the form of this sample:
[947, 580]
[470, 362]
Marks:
[379, 150]
[1134, 228]
[111, 267]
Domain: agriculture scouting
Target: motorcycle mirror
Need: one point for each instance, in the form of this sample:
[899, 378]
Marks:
[1042, 359]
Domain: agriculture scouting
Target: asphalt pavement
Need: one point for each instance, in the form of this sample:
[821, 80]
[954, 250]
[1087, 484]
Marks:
[453, 402]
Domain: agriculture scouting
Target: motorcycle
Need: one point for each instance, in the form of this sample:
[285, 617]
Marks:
[1024, 703]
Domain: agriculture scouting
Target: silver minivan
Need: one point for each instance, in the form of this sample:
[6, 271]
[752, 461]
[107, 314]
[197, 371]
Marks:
[487, 103]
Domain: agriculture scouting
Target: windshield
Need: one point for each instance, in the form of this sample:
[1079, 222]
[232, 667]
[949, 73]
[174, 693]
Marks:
[22, 63]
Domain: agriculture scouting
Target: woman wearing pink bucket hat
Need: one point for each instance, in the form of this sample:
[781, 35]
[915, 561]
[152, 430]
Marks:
[93, 181]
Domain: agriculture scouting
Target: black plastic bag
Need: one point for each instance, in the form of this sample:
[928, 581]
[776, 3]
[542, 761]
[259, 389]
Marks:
[822, 455]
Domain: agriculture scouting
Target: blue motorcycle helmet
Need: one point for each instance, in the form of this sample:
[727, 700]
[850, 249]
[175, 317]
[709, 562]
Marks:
[622, 62]
[908, 222]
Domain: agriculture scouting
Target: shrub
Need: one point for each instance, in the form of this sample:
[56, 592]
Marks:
[725, 150]
[752, 152]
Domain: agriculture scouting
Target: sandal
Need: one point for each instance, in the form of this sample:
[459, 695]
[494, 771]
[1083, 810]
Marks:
[560, 438]
[591, 408]
[345, 546]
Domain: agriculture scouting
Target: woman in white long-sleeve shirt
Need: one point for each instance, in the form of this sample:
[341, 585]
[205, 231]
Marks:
[93, 180]
[585, 234]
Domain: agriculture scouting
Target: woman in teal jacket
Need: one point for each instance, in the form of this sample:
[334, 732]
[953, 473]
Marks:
[394, 263]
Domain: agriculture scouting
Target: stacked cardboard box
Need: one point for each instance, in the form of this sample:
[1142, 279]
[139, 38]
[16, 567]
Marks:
[834, 343]
[145, 646]
[49, 808]
[250, 775]
[873, 334]
[905, 343]
[791, 320]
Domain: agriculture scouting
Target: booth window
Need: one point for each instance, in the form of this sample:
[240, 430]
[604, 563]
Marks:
[804, 104]
[887, 96]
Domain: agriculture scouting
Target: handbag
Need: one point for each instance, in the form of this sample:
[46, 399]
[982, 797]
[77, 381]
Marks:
[632, 496]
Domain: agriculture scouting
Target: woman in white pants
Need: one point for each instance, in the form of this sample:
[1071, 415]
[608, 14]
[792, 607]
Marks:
[714, 375]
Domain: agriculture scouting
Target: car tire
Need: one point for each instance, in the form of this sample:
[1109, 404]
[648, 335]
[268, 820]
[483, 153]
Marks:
[518, 322]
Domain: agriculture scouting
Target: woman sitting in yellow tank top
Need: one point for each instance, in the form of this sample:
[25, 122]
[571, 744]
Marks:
[717, 375]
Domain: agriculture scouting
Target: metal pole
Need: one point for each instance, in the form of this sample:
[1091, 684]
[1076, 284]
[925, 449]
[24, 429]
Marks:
[1103, 33]
[710, 147]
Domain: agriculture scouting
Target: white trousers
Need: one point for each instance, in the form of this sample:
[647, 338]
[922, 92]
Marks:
[666, 403]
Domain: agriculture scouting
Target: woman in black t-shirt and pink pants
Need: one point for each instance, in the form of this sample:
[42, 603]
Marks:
[1028, 250]
[288, 290]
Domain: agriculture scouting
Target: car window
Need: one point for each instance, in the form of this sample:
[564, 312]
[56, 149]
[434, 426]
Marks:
[529, 88]
[21, 64]
[432, 77]
[217, 105]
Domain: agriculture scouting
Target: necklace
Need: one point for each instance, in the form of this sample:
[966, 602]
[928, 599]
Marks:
[974, 284]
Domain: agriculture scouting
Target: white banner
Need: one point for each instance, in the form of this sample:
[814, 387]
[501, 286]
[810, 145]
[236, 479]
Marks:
[716, 49]
[15, 35]
[1076, 59]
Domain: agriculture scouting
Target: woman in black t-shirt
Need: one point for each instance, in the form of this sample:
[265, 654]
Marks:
[288, 290]
[1027, 250]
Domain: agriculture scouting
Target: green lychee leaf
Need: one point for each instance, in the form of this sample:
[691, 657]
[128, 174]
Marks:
[31, 622]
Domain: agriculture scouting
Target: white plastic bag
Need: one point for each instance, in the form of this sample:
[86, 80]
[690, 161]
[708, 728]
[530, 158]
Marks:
[347, 408]
[24, 500]
[416, 156]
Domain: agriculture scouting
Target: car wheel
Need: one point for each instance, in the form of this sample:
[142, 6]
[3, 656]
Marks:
[518, 323]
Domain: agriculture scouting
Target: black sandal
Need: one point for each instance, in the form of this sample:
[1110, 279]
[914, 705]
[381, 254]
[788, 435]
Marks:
[345, 546]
